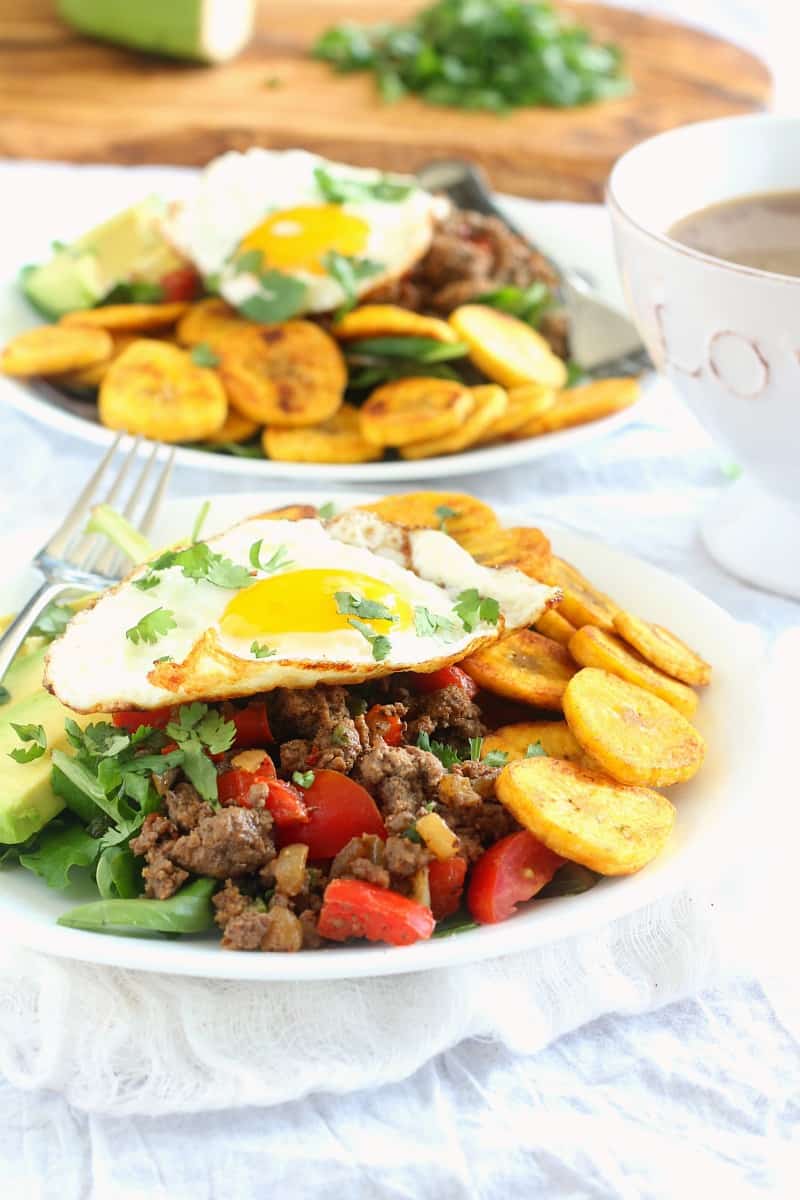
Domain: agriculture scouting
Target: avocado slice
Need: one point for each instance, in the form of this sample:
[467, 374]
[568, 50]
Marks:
[27, 801]
[128, 249]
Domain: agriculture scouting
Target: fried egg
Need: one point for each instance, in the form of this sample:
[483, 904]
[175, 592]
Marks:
[286, 604]
[282, 205]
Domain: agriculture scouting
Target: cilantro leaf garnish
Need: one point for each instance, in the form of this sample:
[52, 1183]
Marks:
[52, 621]
[446, 755]
[279, 297]
[337, 190]
[444, 512]
[164, 658]
[428, 624]
[536, 750]
[381, 646]
[199, 561]
[35, 734]
[327, 510]
[358, 606]
[202, 355]
[249, 263]
[146, 582]
[348, 272]
[262, 650]
[412, 835]
[303, 779]
[496, 758]
[280, 558]
[152, 626]
[472, 608]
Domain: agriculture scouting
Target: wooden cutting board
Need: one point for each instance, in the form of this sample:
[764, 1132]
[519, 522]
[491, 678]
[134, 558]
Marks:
[65, 97]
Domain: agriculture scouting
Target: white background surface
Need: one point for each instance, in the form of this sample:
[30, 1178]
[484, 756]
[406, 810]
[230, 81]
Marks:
[701, 1098]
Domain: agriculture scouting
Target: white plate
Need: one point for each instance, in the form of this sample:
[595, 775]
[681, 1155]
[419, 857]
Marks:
[576, 235]
[711, 808]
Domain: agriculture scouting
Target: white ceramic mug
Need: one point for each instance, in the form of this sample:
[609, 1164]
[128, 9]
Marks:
[727, 336]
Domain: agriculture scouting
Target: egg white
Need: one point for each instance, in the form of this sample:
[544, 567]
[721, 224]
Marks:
[236, 192]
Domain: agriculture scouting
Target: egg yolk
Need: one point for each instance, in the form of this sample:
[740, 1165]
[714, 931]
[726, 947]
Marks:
[301, 237]
[305, 602]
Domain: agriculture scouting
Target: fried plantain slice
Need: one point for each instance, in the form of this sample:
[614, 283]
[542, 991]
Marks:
[593, 647]
[489, 403]
[414, 409]
[553, 625]
[389, 320]
[525, 667]
[455, 513]
[128, 318]
[663, 649]
[506, 349]
[586, 817]
[554, 737]
[635, 737]
[210, 322]
[286, 375]
[55, 350]
[235, 428]
[155, 389]
[523, 547]
[91, 377]
[578, 405]
[337, 440]
[582, 604]
[525, 402]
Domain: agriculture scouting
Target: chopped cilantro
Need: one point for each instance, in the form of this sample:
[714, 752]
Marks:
[472, 608]
[52, 621]
[327, 510]
[447, 756]
[303, 779]
[279, 297]
[412, 835]
[496, 758]
[199, 561]
[444, 512]
[34, 734]
[337, 190]
[152, 626]
[381, 646]
[262, 650]
[536, 750]
[339, 735]
[203, 356]
[249, 263]
[359, 606]
[428, 624]
[279, 559]
[164, 658]
[145, 582]
[348, 272]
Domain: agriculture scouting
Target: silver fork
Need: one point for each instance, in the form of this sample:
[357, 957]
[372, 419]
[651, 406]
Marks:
[602, 341]
[74, 561]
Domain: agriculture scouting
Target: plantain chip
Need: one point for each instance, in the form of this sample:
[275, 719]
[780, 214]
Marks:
[489, 403]
[388, 320]
[525, 667]
[523, 547]
[414, 409]
[210, 322]
[579, 405]
[54, 350]
[337, 440]
[128, 318]
[553, 625]
[593, 647]
[663, 649]
[455, 513]
[582, 603]
[154, 389]
[635, 737]
[91, 377]
[586, 817]
[553, 737]
[283, 375]
[235, 428]
[506, 349]
[525, 402]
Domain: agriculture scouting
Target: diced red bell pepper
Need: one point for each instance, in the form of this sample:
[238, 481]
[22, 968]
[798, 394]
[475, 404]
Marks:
[446, 883]
[512, 870]
[385, 723]
[287, 805]
[252, 726]
[352, 908]
[445, 677]
[338, 809]
[131, 719]
[181, 284]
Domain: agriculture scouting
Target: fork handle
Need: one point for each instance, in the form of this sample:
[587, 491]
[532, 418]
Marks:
[20, 627]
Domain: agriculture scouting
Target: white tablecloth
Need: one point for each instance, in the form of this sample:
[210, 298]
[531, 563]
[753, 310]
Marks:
[699, 1098]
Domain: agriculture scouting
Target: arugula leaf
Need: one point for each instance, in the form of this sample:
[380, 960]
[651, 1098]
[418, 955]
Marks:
[279, 559]
[444, 512]
[348, 272]
[280, 297]
[303, 779]
[358, 606]
[188, 911]
[327, 510]
[52, 621]
[337, 190]
[118, 875]
[153, 625]
[458, 923]
[58, 850]
[446, 755]
[418, 349]
[575, 376]
[200, 520]
[138, 291]
[428, 624]
[536, 750]
[262, 650]
[472, 608]
[29, 733]
[496, 758]
[202, 355]
[381, 646]
[570, 880]
[527, 304]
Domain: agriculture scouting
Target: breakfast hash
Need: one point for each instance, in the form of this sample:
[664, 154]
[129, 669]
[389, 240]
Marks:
[305, 311]
[388, 723]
